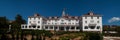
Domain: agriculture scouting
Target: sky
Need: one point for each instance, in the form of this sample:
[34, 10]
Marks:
[109, 9]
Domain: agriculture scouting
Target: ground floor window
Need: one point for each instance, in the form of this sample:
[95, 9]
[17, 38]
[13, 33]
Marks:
[56, 27]
[92, 27]
[77, 27]
[25, 26]
[34, 26]
[86, 27]
[51, 27]
[29, 26]
[46, 27]
[38, 26]
[72, 27]
[22, 26]
[98, 27]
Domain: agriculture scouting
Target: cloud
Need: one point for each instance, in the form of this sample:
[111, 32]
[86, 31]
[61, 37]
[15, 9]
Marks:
[114, 19]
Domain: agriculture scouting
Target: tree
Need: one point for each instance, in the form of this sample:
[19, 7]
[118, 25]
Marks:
[16, 24]
[3, 24]
[19, 19]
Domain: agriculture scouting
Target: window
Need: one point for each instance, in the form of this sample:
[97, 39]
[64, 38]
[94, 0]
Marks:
[85, 17]
[33, 26]
[77, 27]
[97, 21]
[77, 23]
[72, 27]
[69, 23]
[91, 17]
[86, 27]
[62, 23]
[97, 17]
[51, 27]
[76, 20]
[38, 26]
[25, 26]
[69, 20]
[38, 21]
[39, 18]
[85, 21]
[98, 27]
[72, 23]
[55, 27]
[22, 26]
[62, 20]
[55, 23]
[91, 21]
[30, 18]
[34, 18]
[29, 26]
[29, 21]
[46, 27]
[48, 23]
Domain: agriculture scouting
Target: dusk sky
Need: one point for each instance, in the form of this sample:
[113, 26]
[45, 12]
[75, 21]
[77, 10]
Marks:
[109, 9]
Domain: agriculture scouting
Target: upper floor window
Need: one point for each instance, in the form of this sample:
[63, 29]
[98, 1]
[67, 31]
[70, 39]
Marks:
[69, 20]
[34, 18]
[30, 18]
[39, 18]
[62, 20]
[97, 17]
[38, 21]
[85, 17]
[91, 17]
[62, 23]
[85, 21]
[97, 21]
[48, 23]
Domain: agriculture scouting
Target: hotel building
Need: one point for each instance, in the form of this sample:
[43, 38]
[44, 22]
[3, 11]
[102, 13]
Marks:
[87, 22]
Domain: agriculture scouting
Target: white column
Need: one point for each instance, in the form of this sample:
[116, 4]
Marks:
[75, 28]
[64, 28]
[53, 27]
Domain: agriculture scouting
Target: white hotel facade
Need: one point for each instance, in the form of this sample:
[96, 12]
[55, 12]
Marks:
[87, 22]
